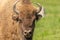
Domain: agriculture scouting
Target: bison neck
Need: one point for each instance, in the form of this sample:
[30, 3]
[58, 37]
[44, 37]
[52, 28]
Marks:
[25, 1]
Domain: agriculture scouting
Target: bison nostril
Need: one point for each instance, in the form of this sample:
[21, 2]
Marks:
[25, 32]
[30, 32]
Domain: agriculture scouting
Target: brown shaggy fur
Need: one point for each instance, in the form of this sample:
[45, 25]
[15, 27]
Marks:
[10, 29]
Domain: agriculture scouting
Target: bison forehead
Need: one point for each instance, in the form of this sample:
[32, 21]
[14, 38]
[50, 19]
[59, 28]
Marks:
[26, 8]
[26, 13]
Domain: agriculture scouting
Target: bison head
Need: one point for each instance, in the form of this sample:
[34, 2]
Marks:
[26, 18]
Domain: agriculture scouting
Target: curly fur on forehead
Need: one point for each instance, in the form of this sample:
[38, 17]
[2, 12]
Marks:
[26, 9]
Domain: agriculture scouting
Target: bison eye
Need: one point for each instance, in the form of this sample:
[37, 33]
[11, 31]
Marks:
[16, 18]
[20, 20]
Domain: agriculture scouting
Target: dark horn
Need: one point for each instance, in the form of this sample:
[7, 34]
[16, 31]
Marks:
[14, 7]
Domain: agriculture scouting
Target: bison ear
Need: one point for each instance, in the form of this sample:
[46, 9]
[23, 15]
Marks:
[40, 14]
[38, 17]
[15, 17]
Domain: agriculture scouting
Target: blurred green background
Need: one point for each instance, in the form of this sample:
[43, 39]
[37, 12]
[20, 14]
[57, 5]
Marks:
[48, 28]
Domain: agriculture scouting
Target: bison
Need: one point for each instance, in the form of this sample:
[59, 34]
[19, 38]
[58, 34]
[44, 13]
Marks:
[17, 19]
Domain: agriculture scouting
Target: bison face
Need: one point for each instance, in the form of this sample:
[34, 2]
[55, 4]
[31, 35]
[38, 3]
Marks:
[26, 18]
[26, 21]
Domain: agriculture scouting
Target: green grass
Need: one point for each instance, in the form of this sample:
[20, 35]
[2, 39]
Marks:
[48, 28]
